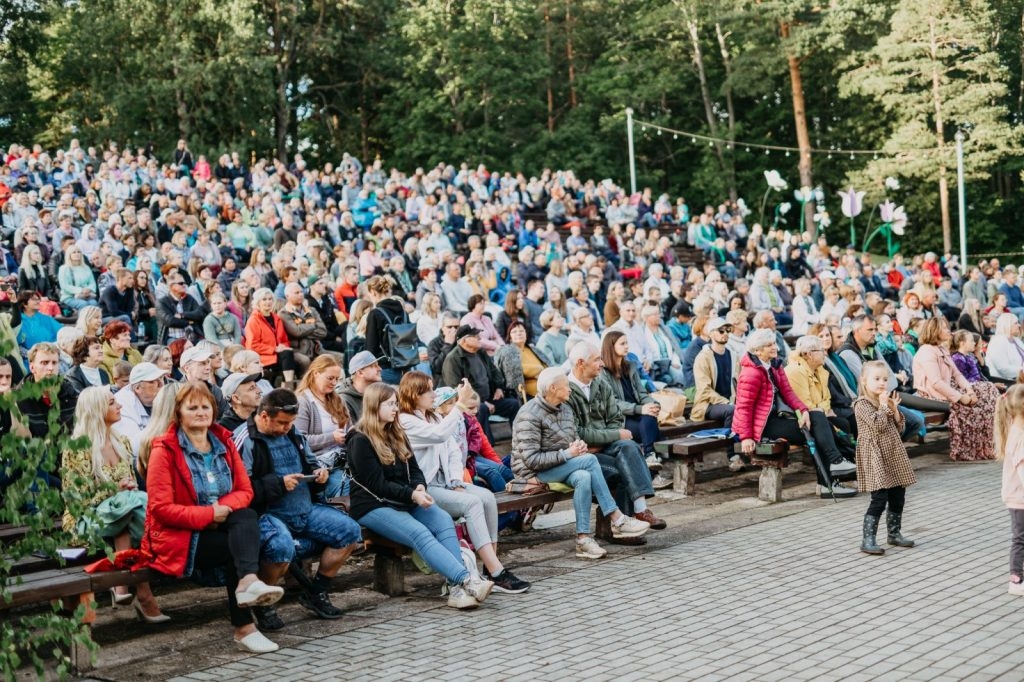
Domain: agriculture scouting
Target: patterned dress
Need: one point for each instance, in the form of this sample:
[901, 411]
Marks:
[882, 460]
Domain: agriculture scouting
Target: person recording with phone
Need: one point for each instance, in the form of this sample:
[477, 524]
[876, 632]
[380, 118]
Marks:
[286, 479]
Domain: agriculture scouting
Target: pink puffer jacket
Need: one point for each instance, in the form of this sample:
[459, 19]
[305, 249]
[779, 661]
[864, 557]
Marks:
[754, 396]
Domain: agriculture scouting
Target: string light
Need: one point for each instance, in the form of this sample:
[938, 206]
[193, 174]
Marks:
[768, 148]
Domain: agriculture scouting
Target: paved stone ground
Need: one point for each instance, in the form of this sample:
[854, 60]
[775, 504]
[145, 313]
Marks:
[787, 598]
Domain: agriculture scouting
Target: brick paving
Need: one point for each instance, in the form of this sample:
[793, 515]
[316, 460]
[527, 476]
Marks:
[787, 599]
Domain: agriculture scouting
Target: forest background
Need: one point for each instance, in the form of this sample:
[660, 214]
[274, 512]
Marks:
[523, 85]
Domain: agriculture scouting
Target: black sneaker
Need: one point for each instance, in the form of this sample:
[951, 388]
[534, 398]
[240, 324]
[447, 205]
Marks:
[320, 604]
[509, 584]
[267, 619]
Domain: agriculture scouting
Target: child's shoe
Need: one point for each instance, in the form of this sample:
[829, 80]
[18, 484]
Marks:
[1016, 589]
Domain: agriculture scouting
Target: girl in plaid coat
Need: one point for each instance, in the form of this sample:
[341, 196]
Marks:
[883, 468]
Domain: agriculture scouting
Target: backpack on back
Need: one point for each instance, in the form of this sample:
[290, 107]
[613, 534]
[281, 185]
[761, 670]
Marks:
[401, 342]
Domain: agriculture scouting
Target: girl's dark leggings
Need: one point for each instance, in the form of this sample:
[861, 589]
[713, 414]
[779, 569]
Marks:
[893, 497]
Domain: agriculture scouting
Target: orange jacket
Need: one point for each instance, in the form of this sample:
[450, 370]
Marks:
[263, 339]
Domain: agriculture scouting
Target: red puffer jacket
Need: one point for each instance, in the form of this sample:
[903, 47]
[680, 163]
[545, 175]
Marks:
[174, 513]
[754, 396]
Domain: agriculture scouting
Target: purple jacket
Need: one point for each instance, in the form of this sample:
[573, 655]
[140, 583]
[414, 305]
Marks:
[968, 366]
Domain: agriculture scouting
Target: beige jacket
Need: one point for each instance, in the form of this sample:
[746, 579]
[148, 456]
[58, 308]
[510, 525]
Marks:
[705, 374]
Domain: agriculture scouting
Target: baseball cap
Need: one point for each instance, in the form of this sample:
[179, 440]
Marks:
[195, 354]
[235, 380]
[362, 360]
[313, 279]
[443, 395]
[466, 330]
[716, 323]
[682, 308]
[145, 371]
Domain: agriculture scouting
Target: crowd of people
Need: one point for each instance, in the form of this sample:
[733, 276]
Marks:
[246, 347]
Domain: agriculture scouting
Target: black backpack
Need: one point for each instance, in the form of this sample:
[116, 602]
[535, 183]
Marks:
[400, 342]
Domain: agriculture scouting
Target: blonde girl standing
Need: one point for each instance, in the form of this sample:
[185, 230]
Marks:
[883, 468]
[1009, 437]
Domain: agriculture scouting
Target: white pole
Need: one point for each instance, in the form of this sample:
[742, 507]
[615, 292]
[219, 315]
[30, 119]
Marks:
[632, 153]
[962, 200]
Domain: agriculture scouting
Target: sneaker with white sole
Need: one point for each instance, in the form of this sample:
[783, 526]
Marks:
[630, 527]
[256, 643]
[843, 467]
[838, 489]
[1016, 589]
[661, 481]
[478, 588]
[736, 463]
[458, 598]
[653, 463]
[587, 548]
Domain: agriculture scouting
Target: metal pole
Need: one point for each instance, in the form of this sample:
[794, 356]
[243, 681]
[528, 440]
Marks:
[632, 153]
[962, 199]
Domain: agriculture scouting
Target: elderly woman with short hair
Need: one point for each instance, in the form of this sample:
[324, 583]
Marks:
[767, 407]
[810, 380]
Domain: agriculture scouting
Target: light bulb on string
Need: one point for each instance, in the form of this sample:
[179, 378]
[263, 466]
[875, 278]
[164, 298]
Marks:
[787, 152]
[644, 129]
[766, 152]
[693, 140]
[748, 149]
[851, 156]
[876, 157]
[659, 131]
[675, 137]
[710, 143]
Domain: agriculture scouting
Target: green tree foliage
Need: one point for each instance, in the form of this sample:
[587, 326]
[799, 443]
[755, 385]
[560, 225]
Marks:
[529, 85]
[47, 634]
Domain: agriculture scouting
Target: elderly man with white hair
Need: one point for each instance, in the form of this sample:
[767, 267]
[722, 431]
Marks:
[546, 445]
[602, 425]
[767, 408]
[766, 320]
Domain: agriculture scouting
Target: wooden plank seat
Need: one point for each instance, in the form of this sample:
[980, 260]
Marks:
[684, 453]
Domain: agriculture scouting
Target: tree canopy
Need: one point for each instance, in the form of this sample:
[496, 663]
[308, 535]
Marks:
[523, 86]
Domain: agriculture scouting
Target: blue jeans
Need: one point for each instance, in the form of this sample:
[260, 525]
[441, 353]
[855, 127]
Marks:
[430, 531]
[323, 527]
[914, 422]
[496, 475]
[583, 473]
[337, 484]
[390, 376]
[78, 303]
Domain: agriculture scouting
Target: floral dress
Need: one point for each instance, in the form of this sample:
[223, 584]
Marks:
[116, 511]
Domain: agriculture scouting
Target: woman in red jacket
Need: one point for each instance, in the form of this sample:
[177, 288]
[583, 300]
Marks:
[768, 408]
[265, 334]
[198, 516]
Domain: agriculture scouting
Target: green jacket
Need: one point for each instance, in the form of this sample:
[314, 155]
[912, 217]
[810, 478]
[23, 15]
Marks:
[599, 419]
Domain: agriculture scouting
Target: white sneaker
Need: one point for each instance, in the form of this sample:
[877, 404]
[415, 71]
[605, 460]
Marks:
[478, 588]
[256, 643]
[736, 463]
[458, 598]
[1016, 589]
[661, 481]
[653, 463]
[630, 528]
[258, 593]
[587, 548]
[844, 467]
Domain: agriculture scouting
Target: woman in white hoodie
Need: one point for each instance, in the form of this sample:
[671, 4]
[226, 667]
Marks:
[439, 456]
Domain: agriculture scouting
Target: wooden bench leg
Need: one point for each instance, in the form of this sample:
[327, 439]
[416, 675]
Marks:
[602, 526]
[684, 476]
[82, 660]
[769, 487]
[388, 574]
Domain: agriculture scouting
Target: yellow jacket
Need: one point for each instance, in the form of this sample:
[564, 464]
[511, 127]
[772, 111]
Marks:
[811, 385]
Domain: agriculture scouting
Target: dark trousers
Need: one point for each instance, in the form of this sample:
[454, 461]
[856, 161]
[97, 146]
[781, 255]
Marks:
[626, 473]
[285, 361]
[506, 407]
[722, 413]
[234, 545]
[1016, 541]
[891, 497]
[821, 431]
[645, 429]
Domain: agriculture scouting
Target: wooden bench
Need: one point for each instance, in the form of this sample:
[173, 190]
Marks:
[388, 559]
[769, 484]
[683, 454]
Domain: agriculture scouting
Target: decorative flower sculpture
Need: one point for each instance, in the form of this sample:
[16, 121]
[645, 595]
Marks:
[894, 222]
[775, 182]
[853, 204]
[892, 184]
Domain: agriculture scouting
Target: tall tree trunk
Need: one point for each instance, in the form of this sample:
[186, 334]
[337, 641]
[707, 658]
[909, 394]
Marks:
[727, 91]
[803, 137]
[1020, 93]
[940, 136]
[569, 54]
[550, 58]
[282, 111]
[705, 91]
